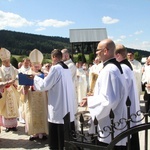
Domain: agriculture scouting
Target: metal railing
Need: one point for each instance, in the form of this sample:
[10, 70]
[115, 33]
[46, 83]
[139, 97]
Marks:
[81, 139]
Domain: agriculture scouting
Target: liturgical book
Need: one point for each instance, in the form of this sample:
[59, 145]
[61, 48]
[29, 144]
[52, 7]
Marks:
[24, 79]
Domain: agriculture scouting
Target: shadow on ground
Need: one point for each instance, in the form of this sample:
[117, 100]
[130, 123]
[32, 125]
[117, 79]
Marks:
[20, 143]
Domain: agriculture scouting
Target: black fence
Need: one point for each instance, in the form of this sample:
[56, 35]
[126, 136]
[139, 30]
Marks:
[81, 139]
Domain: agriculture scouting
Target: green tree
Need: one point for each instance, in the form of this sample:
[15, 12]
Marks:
[20, 58]
[91, 57]
[14, 62]
[81, 57]
[137, 56]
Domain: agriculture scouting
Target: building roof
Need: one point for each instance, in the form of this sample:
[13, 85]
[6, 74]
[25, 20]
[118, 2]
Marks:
[87, 35]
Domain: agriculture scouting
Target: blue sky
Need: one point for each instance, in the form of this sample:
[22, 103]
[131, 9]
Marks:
[126, 21]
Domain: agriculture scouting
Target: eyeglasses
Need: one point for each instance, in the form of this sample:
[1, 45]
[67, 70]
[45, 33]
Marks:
[47, 66]
[99, 50]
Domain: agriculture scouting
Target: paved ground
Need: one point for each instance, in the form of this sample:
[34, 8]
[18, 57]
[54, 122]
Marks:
[19, 140]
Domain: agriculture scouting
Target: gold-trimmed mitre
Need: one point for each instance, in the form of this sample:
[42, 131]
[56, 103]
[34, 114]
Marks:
[36, 57]
[4, 54]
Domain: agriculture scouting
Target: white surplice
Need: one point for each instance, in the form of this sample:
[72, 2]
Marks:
[110, 93]
[132, 92]
[73, 70]
[61, 97]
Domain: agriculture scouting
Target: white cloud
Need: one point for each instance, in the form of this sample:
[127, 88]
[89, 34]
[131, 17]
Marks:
[122, 36]
[135, 43]
[8, 19]
[145, 45]
[54, 23]
[109, 20]
[138, 32]
[118, 40]
[111, 37]
[40, 29]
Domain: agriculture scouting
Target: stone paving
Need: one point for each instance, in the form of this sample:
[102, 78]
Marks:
[20, 140]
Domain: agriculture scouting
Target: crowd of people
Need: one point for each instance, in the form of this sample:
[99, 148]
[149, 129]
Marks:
[61, 86]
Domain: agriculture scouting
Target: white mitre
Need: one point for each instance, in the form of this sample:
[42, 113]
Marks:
[36, 57]
[4, 54]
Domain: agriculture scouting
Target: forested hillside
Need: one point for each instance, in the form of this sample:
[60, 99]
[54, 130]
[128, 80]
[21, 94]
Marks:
[22, 43]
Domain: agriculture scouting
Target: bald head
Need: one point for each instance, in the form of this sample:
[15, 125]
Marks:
[65, 54]
[107, 47]
[108, 43]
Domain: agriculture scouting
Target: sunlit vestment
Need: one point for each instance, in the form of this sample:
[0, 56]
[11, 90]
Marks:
[146, 77]
[59, 85]
[146, 80]
[36, 111]
[131, 90]
[137, 69]
[81, 84]
[110, 93]
[10, 98]
[73, 70]
[93, 71]
[20, 87]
